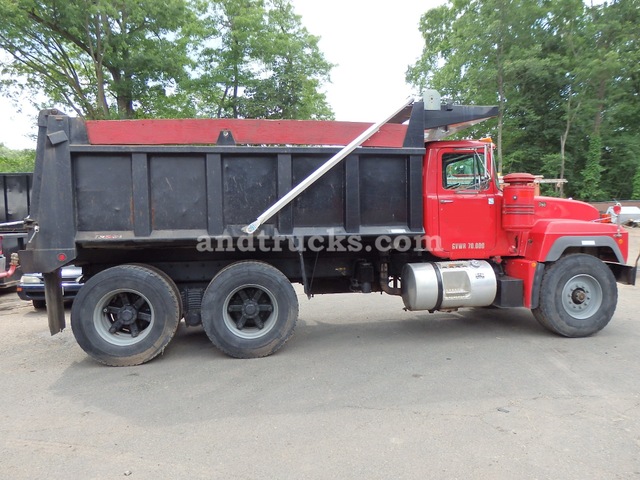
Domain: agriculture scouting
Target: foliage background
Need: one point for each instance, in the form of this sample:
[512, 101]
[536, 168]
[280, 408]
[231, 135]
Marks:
[566, 76]
[13, 161]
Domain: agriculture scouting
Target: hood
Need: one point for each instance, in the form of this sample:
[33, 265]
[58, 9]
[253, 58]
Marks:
[552, 207]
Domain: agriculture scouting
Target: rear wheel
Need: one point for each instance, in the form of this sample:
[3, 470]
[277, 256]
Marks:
[168, 279]
[578, 296]
[125, 315]
[249, 310]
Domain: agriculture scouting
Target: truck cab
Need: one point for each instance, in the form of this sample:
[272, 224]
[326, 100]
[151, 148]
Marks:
[475, 214]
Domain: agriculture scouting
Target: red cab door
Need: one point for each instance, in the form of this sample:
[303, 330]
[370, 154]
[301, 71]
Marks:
[467, 206]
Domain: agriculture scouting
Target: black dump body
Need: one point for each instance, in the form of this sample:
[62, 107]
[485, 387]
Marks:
[104, 204]
[181, 208]
[108, 204]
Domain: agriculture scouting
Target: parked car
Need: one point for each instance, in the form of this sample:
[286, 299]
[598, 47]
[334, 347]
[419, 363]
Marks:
[31, 286]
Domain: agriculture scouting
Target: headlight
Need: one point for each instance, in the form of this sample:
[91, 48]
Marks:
[30, 279]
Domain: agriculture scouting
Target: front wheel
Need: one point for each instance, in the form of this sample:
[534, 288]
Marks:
[578, 296]
[125, 315]
[249, 310]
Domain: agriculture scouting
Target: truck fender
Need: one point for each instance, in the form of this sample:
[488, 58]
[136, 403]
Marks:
[562, 243]
[624, 274]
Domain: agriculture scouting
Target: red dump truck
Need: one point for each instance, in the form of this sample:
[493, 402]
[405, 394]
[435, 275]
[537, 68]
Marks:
[211, 220]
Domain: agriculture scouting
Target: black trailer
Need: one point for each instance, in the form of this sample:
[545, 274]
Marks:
[15, 200]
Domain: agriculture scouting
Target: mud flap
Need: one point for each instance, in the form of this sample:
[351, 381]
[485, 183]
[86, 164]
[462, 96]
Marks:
[625, 274]
[55, 304]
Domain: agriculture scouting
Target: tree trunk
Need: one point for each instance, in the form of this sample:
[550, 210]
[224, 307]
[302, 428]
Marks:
[597, 121]
[235, 91]
[563, 141]
[500, 120]
[501, 105]
[571, 115]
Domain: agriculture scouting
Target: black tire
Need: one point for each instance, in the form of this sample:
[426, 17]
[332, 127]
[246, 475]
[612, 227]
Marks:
[169, 280]
[578, 296]
[249, 310]
[39, 304]
[125, 315]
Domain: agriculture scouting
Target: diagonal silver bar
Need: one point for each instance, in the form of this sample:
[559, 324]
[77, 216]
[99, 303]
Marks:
[324, 168]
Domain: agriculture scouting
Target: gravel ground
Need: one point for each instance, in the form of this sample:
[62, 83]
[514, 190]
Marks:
[363, 390]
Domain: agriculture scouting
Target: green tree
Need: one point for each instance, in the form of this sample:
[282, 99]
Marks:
[260, 62]
[591, 175]
[566, 76]
[636, 185]
[100, 58]
[231, 30]
[292, 70]
[468, 47]
[141, 58]
[620, 116]
[16, 160]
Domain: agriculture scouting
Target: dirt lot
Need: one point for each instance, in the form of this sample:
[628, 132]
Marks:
[363, 390]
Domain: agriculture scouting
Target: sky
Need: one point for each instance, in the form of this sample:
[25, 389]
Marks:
[371, 42]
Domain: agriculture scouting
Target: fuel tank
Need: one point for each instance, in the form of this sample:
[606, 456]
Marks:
[445, 285]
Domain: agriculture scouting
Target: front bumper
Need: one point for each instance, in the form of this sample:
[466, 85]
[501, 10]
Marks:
[625, 274]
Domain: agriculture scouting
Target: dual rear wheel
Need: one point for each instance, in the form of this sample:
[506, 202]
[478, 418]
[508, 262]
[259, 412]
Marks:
[249, 310]
[127, 315]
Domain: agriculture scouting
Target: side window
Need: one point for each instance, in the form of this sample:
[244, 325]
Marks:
[464, 171]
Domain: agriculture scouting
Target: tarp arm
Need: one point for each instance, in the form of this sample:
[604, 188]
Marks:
[324, 168]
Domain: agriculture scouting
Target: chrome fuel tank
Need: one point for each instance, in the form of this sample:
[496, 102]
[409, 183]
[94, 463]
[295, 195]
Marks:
[444, 285]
